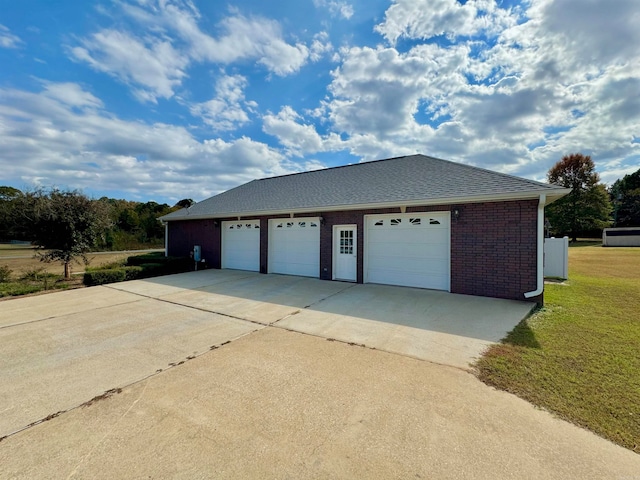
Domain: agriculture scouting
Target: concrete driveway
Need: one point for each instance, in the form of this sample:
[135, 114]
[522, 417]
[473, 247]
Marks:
[431, 325]
[208, 377]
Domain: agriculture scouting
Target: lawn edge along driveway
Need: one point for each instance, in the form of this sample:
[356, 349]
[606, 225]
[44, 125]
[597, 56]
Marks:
[578, 357]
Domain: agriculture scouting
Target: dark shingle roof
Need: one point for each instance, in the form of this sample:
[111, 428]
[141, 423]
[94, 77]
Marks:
[408, 180]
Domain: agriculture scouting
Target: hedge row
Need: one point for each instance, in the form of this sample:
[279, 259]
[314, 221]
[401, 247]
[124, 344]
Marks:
[155, 257]
[139, 266]
[111, 275]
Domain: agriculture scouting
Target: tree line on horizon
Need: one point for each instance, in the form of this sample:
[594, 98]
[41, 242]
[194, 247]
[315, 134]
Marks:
[65, 225]
[122, 225]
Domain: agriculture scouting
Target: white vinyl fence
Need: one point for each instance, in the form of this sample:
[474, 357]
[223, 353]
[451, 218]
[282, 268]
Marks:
[556, 257]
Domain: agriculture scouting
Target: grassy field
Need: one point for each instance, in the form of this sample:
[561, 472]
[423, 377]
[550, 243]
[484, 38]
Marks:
[29, 275]
[20, 259]
[579, 356]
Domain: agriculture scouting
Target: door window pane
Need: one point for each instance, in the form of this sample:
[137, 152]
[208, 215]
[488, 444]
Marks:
[346, 242]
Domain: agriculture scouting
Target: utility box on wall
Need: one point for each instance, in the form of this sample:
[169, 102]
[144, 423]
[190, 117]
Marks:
[556, 257]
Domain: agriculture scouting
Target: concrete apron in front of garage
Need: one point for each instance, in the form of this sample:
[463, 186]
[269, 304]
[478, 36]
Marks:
[430, 325]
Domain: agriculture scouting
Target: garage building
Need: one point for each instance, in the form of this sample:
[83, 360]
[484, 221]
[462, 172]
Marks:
[414, 221]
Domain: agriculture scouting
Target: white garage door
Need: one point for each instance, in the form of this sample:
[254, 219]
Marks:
[241, 245]
[410, 250]
[294, 246]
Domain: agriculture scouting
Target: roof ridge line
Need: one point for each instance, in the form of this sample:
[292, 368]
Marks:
[339, 166]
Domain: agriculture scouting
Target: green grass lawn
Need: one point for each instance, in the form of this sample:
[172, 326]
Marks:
[579, 356]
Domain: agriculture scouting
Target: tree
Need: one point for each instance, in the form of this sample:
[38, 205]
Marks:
[625, 195]
[67, 224]
[185, 203]
[587, 207]
[7, 197]
[150, 226]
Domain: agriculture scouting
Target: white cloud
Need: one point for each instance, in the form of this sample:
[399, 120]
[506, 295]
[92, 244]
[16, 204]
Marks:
[431, 18]
[92, 149]
[152, 63]
[168, 40]
[512, 90]
[228, 109]
[71, 94]
[8, 39]
[297, 138]
[380, 90]
[343, 9]
[597, 32]
[240, 38]
[320, 46]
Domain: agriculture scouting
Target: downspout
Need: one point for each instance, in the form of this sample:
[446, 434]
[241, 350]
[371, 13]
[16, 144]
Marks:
[166, 239]
[540, 288]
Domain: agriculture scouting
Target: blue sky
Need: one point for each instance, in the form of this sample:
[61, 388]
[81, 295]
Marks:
[169, 99]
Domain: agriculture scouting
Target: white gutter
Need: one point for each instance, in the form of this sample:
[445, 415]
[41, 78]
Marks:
[540, 289]
[166, 239]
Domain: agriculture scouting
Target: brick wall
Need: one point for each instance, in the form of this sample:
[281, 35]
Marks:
[183, 235]
[494, 249]
[493, 245]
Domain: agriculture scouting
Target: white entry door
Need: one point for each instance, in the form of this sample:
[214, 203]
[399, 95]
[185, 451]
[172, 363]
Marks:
[241, 245]
[345, 253]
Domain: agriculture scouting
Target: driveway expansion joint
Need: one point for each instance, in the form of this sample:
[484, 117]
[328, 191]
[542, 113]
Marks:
[65, 314]
[362, 345]
[331, 296]
[197, 308]
[116, 390]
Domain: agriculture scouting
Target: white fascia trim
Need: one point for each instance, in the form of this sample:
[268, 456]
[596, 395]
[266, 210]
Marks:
[552, 195]
[540, 262]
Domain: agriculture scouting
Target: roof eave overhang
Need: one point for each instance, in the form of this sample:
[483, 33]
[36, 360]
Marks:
[551, 194]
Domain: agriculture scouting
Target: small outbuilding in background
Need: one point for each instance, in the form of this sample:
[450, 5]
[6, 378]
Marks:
[621, 237]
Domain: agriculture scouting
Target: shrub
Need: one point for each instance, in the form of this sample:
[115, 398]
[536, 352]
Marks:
[5, 274]
[11, 289]
[131, 273]
[37, 274]
[154, 257]
[139, 266]
[106, 266]
[154, 269]
[157, 264]
[101, 277]
[112, 275]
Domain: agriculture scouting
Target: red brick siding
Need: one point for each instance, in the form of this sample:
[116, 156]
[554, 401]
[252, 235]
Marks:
[494, 248]
[183, 235]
